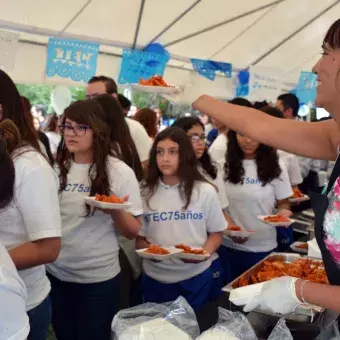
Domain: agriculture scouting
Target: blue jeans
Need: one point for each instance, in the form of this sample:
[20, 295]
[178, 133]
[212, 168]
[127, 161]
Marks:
[195, 290]
[40, 319]
[84, 311]
[239, 261]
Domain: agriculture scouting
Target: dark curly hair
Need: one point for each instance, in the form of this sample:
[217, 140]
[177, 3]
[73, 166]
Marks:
[89, 112]
[187, 123]
[266, 159]
[188, 172]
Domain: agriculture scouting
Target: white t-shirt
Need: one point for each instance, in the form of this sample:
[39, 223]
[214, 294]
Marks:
[33, 215]
[249, 200]
[219, 147]
[90, 249]
[14, 322]
[166, 223]
[292, 164]
[218, 182]
[54, 139]
[140, 138]
[308, 164]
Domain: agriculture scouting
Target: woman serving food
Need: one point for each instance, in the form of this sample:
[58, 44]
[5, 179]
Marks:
[313, 140]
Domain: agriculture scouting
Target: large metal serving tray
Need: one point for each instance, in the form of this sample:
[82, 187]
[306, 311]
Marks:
[301, 314]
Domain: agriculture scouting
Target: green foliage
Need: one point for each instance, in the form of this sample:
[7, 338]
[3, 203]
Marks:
[41, 94]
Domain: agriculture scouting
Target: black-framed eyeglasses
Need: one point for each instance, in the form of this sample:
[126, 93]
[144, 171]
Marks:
[78, 130]
[197, 138]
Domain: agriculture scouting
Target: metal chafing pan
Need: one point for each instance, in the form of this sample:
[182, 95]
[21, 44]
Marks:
[301, 314]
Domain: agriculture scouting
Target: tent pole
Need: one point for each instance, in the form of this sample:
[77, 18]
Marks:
[139, 20]
[81, 10]
[282, 42]
[172, 23]
[225, 22]
[13, 26]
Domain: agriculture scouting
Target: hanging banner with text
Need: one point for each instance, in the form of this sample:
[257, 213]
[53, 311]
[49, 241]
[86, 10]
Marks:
[138, 65]
[306, 89]
[265, 83]
[8, 49]
[208, 68]
[73, 59]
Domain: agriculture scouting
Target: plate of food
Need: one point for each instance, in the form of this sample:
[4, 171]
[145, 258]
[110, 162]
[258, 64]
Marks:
[158, 253]
[276, 220]
[236, 231]
[300, 247]
[194, 253]
[298, 196]
[107, 202]
[155, 84]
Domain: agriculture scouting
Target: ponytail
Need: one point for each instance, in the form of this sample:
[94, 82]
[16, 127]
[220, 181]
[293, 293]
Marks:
[9, 141]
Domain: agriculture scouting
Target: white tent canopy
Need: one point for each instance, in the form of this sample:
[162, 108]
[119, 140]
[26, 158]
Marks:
[285, 34]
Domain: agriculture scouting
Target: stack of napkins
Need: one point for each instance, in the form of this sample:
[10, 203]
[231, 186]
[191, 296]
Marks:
[313, 249]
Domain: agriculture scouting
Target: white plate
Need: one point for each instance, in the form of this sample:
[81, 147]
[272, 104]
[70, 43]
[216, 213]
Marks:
[300, 199]
[276, 224]
[188, 256]
[174, 252]
[239, 233]
[104, 205]
[155, 89]
[299, 250]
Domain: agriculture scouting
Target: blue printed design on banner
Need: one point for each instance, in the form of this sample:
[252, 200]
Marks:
[74, 59]
[138, 65]
[306, 89]
[208, 68]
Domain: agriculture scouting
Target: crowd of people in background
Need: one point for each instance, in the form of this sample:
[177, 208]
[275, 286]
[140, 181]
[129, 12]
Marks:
[186, 184]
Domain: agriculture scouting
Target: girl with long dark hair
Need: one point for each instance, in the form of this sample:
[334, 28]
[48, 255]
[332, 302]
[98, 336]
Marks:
[85, 278]
[29, 221]
[212, 172]
[257, 183]
[53, 134]
[180, 206]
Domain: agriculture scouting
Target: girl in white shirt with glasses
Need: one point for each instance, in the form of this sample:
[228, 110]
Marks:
[85, 278]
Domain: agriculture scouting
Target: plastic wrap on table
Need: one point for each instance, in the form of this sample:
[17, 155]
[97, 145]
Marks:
[330, 328]
[281, 332]
[150, 321]
[230, 326]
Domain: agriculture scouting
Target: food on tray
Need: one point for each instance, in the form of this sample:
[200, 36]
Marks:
[302, 246]
[189, 250]
[276, 219]
[305, 269]
[109, 199]
[297, 193]
[234, 228]
[154, 81]
[154, 249]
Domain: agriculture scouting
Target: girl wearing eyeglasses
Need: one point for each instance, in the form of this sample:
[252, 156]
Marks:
[85, 278]
[194, 129]
[180, 206]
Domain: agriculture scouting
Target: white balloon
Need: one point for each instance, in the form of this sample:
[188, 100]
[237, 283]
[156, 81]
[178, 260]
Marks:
[303, 111]
[61, 98]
